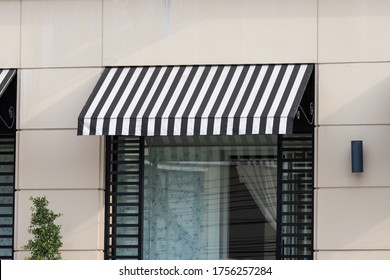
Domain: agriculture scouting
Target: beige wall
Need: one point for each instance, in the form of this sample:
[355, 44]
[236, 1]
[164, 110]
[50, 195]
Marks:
[61, 47]
[353, 31]
[10, 33]
[61, 33]
[82, 225]
[352, 213]
[139, 32]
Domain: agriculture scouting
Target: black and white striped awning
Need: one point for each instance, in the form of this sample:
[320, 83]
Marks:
[195, 100]
[6, 76]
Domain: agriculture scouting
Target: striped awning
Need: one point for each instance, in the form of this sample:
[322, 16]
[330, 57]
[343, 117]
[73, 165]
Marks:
[6, 76]
[195, 100]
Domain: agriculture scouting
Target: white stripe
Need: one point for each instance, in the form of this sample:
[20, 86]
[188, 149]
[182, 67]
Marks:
[113, 93]
[229, 126]
[152, 92]
[187, 97]
[177, 126]
[190, 92]
[172, 102]
[238, 100]
[100, 93]
[126, 92]
[255, 91]
[164, 92]
[225, 99]
[203, 92]
[198, 101]
[213, 97]
[190, 126]
[217, 126]
[242, 127]
[264, 99]
[278, 98]
[229, 91]
[146, 103]
[139, 92]
[108, 102]
[125, 126]
[112, 127]
[150, 129]
[160, 100]
[134, 102]
[3, 73]
[121, 102]
[291, 98]
[138, 126]
[99, 127]
[252, 96]
[86, 127]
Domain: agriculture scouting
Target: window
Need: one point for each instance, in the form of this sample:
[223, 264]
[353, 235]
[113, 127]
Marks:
[209, 197]
[7, 162]
[7, 171]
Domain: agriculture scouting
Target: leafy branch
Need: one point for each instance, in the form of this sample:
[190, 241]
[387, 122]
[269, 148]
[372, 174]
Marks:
[46, 242]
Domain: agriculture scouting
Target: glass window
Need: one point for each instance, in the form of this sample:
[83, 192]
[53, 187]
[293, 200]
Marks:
[215, 199]
[209, 197]
[7, 170]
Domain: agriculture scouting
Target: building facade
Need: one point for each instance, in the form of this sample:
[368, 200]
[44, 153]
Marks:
[58, 50]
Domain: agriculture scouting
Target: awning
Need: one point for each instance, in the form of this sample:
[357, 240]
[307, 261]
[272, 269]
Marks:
[195, 100]
[6, 76]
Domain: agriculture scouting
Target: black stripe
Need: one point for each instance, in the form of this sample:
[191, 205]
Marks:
[297, 101]
[110, 111]
[270, 101]
[153, 100]
[171, 120]
[286, 94]
[89, 101]
[240, 109]
[206, 99]
[94, 93]
[256, 102]
[119, 122]
[225, 114]
[142, 100]
[168, 97]
[6, 80]
[100, 105]
[218, 100]
[191, 103]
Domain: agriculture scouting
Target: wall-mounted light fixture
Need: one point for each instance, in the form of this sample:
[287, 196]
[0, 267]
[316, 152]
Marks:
[357, 156]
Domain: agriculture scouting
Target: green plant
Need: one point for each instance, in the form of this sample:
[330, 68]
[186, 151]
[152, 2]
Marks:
[46, 242]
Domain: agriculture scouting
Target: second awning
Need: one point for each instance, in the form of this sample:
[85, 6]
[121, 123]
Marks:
[6, 76]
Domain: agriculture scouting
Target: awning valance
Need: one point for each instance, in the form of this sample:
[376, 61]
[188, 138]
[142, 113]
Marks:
[195, 100]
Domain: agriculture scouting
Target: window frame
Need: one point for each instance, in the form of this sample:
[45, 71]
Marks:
[111, 168]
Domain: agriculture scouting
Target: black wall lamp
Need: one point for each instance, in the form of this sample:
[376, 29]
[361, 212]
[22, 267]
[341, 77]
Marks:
[357, 156]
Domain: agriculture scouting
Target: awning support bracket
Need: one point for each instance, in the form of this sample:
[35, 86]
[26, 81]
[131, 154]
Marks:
[11, 115]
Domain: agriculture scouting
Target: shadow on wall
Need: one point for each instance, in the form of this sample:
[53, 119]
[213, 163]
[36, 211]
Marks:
[369, 106]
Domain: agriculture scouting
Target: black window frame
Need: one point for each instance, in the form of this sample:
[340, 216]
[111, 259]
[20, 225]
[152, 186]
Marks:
[8, 147]
[305, 153]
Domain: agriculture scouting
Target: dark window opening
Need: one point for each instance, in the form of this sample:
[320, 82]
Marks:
[7, 170]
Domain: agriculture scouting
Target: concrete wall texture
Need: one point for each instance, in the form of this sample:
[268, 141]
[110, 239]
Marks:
[60, 48]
